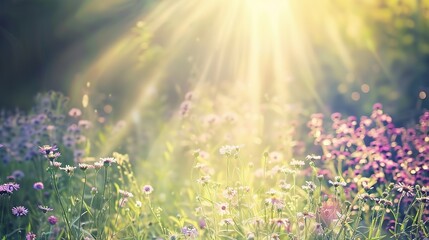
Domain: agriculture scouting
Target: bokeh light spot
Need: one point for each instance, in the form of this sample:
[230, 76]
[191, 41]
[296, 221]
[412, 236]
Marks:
[365, 88]
[422, 95]
[355, 96]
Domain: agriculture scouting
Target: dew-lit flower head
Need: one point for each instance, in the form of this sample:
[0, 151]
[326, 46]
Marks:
[147, 189]
[52, 220]
[45, 209]
[38, 186]
[19, 211]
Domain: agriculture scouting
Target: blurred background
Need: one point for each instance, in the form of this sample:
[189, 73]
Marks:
[323, 56]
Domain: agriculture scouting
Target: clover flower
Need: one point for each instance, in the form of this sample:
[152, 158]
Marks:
[19, 211]
[52, 220]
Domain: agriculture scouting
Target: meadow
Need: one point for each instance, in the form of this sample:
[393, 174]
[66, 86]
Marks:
[223, 119]
[347, 178]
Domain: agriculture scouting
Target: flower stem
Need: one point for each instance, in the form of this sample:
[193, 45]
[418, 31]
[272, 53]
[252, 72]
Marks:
[54, 178]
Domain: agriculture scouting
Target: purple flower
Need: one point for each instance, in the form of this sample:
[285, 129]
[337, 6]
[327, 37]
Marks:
[190, 231]
[147, 189]
[30, 236]
[46, 149]
[8, 188]
[38, 186]
[19, 211]
[52, 220]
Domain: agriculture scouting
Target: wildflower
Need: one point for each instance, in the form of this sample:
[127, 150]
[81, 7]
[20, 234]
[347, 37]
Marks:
[276, 157]
[53, 156]
[305, 215]
[38, 186]
[45, 209]
[94, 190]
[227, 221]
[56, 164]
[285, 186]
[425, 189]
[75, 112]
[8, 188]
[330, 212]
[404, 189]
[297, 163]
[46, 149]
[190, 231]
[138, 204]
[280, 222]
[229, 193]
[309, 186]
[52, 220]
[318, 229]
[223, 208]
[19, 211]
[147, 189]
[275, 202]
[312, 157]
[98, 165]
[108, 161]
[337, 182]
[123, 202]
[202, 224]
[125, 194]
[68, 169]
[250, 236]
[30, 236]
[275, 236]
[17, 174]
[229, 150]
[203, 180]
[84, 166]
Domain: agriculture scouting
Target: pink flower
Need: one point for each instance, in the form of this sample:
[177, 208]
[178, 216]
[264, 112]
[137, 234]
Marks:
[329, 212]
[52, 220]
[30, 236]
[19, 211]
[38, 186]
